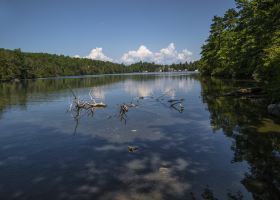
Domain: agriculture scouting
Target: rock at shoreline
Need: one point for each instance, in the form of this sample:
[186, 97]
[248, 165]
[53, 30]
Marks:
[16, 80]
[274, 109]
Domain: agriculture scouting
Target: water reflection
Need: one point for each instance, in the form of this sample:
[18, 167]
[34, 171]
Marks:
[149, 88]
[98, 93]
[179, 157]
[256, 136]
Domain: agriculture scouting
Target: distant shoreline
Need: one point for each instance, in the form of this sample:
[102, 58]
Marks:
[16, 65]
[100, 75]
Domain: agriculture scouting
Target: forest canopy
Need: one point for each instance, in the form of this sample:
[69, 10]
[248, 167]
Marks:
[245, 42]
[15, 64]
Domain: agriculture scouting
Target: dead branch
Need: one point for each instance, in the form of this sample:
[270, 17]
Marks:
[177, 105]
[124, 109]
[86, 104]
[80, 107]
[175, 100]
[132, 149]
[180, 108]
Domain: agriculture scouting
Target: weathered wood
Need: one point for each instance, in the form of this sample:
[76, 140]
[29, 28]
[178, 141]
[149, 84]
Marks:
[245, 91]
[132, 149]
[78, 104]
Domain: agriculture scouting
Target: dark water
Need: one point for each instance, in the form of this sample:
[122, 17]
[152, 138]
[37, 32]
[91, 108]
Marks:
[218, 147]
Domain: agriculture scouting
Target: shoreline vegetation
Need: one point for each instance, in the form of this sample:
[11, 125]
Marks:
[16, 65]
[245, 43]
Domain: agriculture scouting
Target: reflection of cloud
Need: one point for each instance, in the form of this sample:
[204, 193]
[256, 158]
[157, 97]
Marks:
[162, 179]
[138, 89]
[137, 164]
[181, 164]
[88, 189]
[167, 85]
[109, 148]
[170, 92]
[98, 93]
[159, 180]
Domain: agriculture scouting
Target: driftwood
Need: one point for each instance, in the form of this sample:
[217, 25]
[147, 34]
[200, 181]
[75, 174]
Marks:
[124, 109]
[81, 104]
[176, 104]
[175, 100]
[132, 149]
[78, 105]
[245, 92]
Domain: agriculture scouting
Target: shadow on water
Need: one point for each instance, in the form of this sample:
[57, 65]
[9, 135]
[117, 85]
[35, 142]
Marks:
[229, 151]
[256, 136]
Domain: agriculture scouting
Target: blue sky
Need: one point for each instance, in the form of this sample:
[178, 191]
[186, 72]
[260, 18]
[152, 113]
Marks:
[117, 27]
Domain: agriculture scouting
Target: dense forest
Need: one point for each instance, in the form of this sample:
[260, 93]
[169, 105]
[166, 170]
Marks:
[152, 67]
[15, 64]
[245, 43]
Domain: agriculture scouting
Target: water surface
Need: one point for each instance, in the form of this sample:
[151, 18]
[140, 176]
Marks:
[220, 147]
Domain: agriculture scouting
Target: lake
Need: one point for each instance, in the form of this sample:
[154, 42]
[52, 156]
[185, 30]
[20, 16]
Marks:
[208, 147]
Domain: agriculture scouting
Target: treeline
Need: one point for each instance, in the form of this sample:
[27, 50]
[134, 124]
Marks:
[245, 42]
[15, 64]
[152, 67]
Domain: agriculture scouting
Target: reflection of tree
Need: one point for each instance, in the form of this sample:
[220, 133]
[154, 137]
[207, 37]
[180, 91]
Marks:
[241, 119]
[20, 93]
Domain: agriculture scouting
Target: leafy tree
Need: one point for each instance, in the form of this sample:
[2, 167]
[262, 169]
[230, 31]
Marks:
[15, 64]
[244, 43]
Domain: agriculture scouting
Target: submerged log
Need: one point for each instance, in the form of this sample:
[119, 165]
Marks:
[175, 100]
[132, 149]
[245, 91]
[250, 90]
[96, 105]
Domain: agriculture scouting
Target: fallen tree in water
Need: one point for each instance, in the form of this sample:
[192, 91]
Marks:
[177, 104]
[253, 92]
[78, 104]
[124, 109]
[79, 107]
[87, 105]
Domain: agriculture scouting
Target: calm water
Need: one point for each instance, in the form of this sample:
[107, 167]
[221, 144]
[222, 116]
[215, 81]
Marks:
[217, 147]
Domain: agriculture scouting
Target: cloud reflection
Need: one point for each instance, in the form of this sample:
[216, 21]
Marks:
[157, 86]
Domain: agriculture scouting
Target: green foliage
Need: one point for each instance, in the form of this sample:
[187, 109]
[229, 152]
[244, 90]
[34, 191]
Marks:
[15, 64]
[18, 65]
[244, 43]
[152, 67]
[254, 134]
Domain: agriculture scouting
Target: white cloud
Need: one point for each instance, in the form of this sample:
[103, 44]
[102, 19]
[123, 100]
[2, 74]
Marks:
[168, 55]
[76, 56]
[143, 53]
[97, 54]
